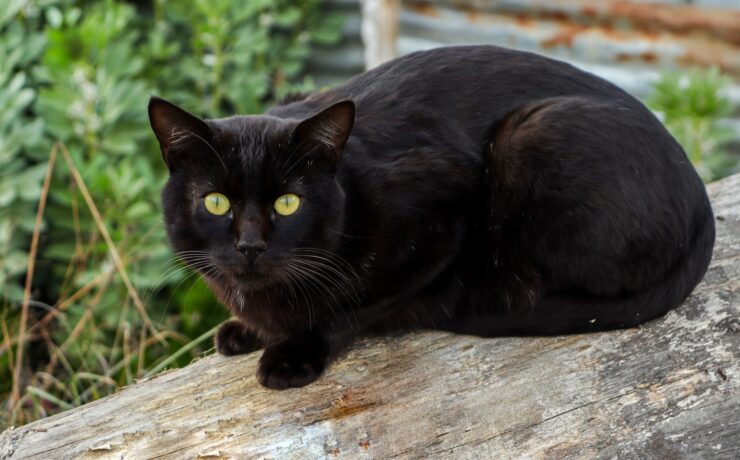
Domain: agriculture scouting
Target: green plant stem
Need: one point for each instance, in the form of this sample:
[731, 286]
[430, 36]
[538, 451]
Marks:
[186, 348]
[38, 392]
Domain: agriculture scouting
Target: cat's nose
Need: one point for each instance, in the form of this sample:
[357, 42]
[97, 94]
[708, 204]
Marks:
[251, 249]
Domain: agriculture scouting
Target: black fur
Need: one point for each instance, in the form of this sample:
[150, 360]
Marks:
[472, 189]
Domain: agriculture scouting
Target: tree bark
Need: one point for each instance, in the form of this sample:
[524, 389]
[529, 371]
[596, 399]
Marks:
[664, 390]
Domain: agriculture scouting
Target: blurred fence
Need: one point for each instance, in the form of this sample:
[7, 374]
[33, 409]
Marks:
[627, 42]
[331, 65]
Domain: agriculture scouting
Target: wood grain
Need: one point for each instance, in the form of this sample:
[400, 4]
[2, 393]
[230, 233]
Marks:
[669, 389]
[379, 30]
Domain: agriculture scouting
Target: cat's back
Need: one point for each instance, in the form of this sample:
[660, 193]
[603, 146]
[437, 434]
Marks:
[430, 112]
[468, 85]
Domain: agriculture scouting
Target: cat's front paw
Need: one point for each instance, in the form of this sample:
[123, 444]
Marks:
[233, 338]
[291, 364]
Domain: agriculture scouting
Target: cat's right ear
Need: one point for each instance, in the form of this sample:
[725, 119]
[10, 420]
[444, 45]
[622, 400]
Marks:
[175, 127]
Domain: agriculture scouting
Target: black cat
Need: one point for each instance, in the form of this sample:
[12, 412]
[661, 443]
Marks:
[473, 189]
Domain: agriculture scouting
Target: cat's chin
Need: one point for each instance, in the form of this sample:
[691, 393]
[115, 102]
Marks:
[252, 281]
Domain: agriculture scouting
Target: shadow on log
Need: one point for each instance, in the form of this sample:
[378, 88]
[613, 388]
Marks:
[665, 390]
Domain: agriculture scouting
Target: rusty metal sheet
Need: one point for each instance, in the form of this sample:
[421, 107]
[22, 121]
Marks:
[621, 32]
[627, 42]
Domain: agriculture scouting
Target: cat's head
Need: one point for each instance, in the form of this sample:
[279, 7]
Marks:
[251, 198]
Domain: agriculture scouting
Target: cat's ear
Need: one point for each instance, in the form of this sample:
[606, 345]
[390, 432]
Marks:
[328, 129]
[174, 127]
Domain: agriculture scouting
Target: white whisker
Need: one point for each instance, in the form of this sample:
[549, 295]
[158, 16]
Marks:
[211, 147]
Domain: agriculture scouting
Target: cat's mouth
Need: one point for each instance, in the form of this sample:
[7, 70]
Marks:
[250, 278]
[246, 274]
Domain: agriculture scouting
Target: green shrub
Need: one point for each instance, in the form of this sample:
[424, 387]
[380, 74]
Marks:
[691, 105]
[22, 145]
[80, 73]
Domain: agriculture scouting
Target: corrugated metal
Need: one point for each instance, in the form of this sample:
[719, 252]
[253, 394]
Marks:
[335, 64]
[628, 43]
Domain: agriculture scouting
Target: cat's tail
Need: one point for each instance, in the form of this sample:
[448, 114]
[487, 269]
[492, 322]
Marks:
[569, 313]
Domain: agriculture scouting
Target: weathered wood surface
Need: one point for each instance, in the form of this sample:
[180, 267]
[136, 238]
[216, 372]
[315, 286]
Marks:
[379, 30]
[670, 389]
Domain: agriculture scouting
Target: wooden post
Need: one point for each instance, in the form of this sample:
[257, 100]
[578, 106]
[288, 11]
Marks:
[380, 30]
[668, 389]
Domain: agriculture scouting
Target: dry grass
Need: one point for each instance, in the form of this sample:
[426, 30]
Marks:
[83, 362]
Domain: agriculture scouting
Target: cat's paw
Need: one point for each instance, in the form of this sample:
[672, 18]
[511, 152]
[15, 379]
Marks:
[291, 365]
[233, 338]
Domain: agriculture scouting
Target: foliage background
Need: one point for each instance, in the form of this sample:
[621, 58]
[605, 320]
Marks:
[79, 73]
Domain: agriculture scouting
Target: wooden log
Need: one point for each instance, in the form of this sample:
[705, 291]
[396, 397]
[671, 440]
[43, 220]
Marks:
[379, 30]
[665, 390]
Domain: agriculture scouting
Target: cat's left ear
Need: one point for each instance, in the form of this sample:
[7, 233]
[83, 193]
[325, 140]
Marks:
[328, 130]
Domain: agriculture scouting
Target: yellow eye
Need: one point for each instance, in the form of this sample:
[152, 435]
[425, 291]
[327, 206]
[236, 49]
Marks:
[287, 204]
[217, 204]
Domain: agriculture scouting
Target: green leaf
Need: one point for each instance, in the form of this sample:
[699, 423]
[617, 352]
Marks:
[138, 210]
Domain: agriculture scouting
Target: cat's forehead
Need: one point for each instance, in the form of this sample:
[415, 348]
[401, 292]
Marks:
[251, 146]
[251, 134]
[250, 139]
